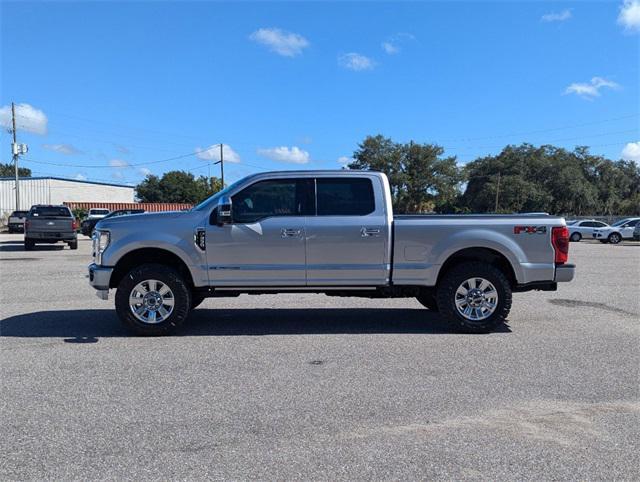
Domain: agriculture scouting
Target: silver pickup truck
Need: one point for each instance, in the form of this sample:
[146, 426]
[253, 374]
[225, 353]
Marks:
[330, 232]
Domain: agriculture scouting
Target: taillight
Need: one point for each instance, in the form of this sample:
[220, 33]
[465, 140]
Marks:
[560, 242]
[74, 225]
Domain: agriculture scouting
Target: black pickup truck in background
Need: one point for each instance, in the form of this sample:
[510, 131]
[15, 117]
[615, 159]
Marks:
[50, 224]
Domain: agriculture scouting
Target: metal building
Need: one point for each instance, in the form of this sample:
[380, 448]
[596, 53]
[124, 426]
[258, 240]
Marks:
[57, 190]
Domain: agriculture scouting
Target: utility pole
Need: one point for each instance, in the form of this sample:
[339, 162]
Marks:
[497, 193]
[14, 150]
[221, 162]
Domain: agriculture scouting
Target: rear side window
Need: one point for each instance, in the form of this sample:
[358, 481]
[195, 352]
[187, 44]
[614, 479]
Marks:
[341, 196]
[50, 211]
[277, 197]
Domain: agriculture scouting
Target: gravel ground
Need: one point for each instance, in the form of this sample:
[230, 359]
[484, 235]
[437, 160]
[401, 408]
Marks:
[313, 387]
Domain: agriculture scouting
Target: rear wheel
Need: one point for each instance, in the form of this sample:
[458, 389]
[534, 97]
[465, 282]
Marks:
[474, 297]
[614, 238]
[73, 244]
[575, 237]
[153, 300]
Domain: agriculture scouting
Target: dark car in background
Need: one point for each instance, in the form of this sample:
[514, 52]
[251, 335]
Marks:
[50, 224]
[88, 225]
[16, 221]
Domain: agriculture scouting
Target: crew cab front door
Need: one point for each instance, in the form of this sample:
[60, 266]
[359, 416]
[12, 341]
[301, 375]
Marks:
[265, 243]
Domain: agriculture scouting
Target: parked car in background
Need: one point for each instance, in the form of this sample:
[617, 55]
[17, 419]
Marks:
[97, 213]
[618, 231]
[636, 232]
[89, 224]
[16, 221]
[584, 228]
[50, 224]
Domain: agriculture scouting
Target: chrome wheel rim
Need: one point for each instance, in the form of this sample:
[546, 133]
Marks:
[476, 299]
[151, 301]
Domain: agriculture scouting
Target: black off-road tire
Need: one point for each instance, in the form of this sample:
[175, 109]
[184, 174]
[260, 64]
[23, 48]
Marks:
[428, 300]
[29, 244]
[453, 278]
[73, 244]
[576, 237]
[168, 276]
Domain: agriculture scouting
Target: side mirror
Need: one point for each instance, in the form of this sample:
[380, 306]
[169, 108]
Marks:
[221, 215]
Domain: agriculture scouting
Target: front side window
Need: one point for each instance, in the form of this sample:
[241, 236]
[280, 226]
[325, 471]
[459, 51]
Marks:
[344, 196]
[276, 197]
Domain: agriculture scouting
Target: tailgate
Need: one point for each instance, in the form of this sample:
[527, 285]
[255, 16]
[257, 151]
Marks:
[50, 225]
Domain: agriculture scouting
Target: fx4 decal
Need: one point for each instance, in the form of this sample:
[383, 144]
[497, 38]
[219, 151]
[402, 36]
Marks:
[529, 229]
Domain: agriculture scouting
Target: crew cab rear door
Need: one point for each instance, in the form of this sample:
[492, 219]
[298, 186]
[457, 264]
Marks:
[347, 238]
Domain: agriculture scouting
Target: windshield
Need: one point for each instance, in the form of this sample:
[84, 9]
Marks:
[621, 222]
[211, 201]
[98, 211]
[19, 214]
[569, 223]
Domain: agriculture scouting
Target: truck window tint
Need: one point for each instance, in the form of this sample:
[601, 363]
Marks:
[278, 197]
[344, 197]
[50, 211]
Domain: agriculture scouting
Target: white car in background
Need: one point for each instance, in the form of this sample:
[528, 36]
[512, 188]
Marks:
[584, 228]
[97, 213]
[618, 231]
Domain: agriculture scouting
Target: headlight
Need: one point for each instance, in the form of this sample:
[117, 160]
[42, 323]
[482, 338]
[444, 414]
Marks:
[100, 242]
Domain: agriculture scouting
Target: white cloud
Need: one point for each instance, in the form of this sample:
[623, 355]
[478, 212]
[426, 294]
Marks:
[28, 118]
[80, 177]
[592, 89]
[393, 45]
[286, 154]
[122, 149]
[212, 153]
[390, 48]
[631, 152]
[355, 61]
[66, 149]
[117, 175]
[118, 163]
[344, 160]
[629, 16]
[143, 171]
[283, 43]
[557, 16]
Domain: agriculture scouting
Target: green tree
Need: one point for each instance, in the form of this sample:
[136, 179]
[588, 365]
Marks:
[177, 187]
[421, 179]
[7, 170]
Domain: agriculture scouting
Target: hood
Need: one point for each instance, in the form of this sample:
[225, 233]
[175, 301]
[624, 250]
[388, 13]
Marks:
[140, 218]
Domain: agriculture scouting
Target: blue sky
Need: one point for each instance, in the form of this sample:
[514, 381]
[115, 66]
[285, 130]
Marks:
[109, 89]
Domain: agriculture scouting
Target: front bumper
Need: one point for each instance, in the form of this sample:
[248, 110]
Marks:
[99, 276]
[565, 273]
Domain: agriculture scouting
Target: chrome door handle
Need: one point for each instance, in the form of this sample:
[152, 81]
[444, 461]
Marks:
[367, 232]
[290, 232]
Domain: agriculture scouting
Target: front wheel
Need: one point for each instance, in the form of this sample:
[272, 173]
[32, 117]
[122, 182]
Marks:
[29, 244]
[474, 297]
[615, 238]
[576, 237]
[153, 300]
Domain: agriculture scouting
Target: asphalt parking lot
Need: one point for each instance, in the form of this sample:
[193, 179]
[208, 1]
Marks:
[313, 387]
